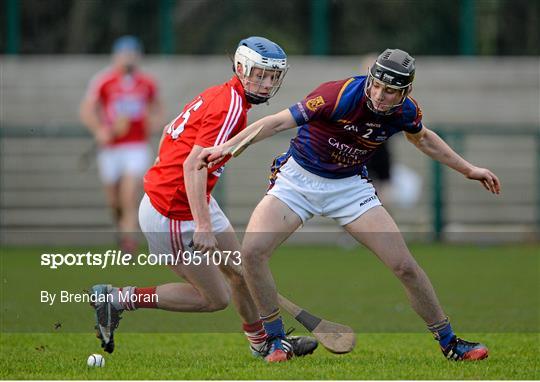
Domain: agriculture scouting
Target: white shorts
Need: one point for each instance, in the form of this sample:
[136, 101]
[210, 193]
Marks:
[166, 235]
[307, 194]
[125, 159]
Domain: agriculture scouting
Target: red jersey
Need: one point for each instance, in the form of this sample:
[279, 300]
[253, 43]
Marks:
[216, 115]
[124, 100]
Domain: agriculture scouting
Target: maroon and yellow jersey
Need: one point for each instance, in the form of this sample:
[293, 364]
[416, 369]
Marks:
[338, 132]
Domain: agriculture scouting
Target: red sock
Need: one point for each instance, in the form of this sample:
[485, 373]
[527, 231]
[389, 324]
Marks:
[255, 334]
[146, 298]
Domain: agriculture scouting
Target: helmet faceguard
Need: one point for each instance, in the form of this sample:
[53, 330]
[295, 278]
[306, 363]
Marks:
[393, 69]
[271, 62]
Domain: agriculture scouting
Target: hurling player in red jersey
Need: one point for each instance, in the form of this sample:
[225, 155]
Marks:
[341, 125]
[121, 107]
[179, 216]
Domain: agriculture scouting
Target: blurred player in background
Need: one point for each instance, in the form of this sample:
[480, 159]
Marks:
[341, 124]
[179, 215]
[397, 185]
[121, 108]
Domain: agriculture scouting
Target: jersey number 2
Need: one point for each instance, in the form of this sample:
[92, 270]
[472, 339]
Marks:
[366, 135]
[175, 132]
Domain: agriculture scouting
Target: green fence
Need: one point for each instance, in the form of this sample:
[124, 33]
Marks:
[456, 137]
[442, 182]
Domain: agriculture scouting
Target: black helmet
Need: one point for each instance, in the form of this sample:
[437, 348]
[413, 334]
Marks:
[395, 68]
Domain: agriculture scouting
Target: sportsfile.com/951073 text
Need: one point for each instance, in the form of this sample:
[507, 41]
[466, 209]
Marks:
[114, 257]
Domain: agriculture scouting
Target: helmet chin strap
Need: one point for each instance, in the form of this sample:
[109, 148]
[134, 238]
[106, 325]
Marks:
[380, 112]
[255, 99]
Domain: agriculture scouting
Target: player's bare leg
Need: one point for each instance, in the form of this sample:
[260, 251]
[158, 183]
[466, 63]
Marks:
[206, 290]
[113, 201]
[128, 191]
[271, 223]
[245, 306]
[228, 242]
[251, 323]
[377, 231]
[129, 200]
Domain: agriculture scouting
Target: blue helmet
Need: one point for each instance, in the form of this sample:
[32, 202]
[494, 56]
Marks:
[259, 52]
[127, 44]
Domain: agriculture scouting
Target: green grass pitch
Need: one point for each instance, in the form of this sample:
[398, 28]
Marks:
[490, 292]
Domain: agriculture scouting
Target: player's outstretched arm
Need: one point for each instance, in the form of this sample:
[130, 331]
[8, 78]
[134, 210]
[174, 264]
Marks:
[272, 125]
[196, 181]
[432, 145]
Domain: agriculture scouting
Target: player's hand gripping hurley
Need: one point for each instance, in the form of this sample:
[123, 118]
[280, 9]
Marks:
[215, 156]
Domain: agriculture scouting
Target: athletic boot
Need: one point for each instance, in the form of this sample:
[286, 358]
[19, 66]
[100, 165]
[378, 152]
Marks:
[461, 350]
[107, 317]
[279, 350]
[301, 346]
